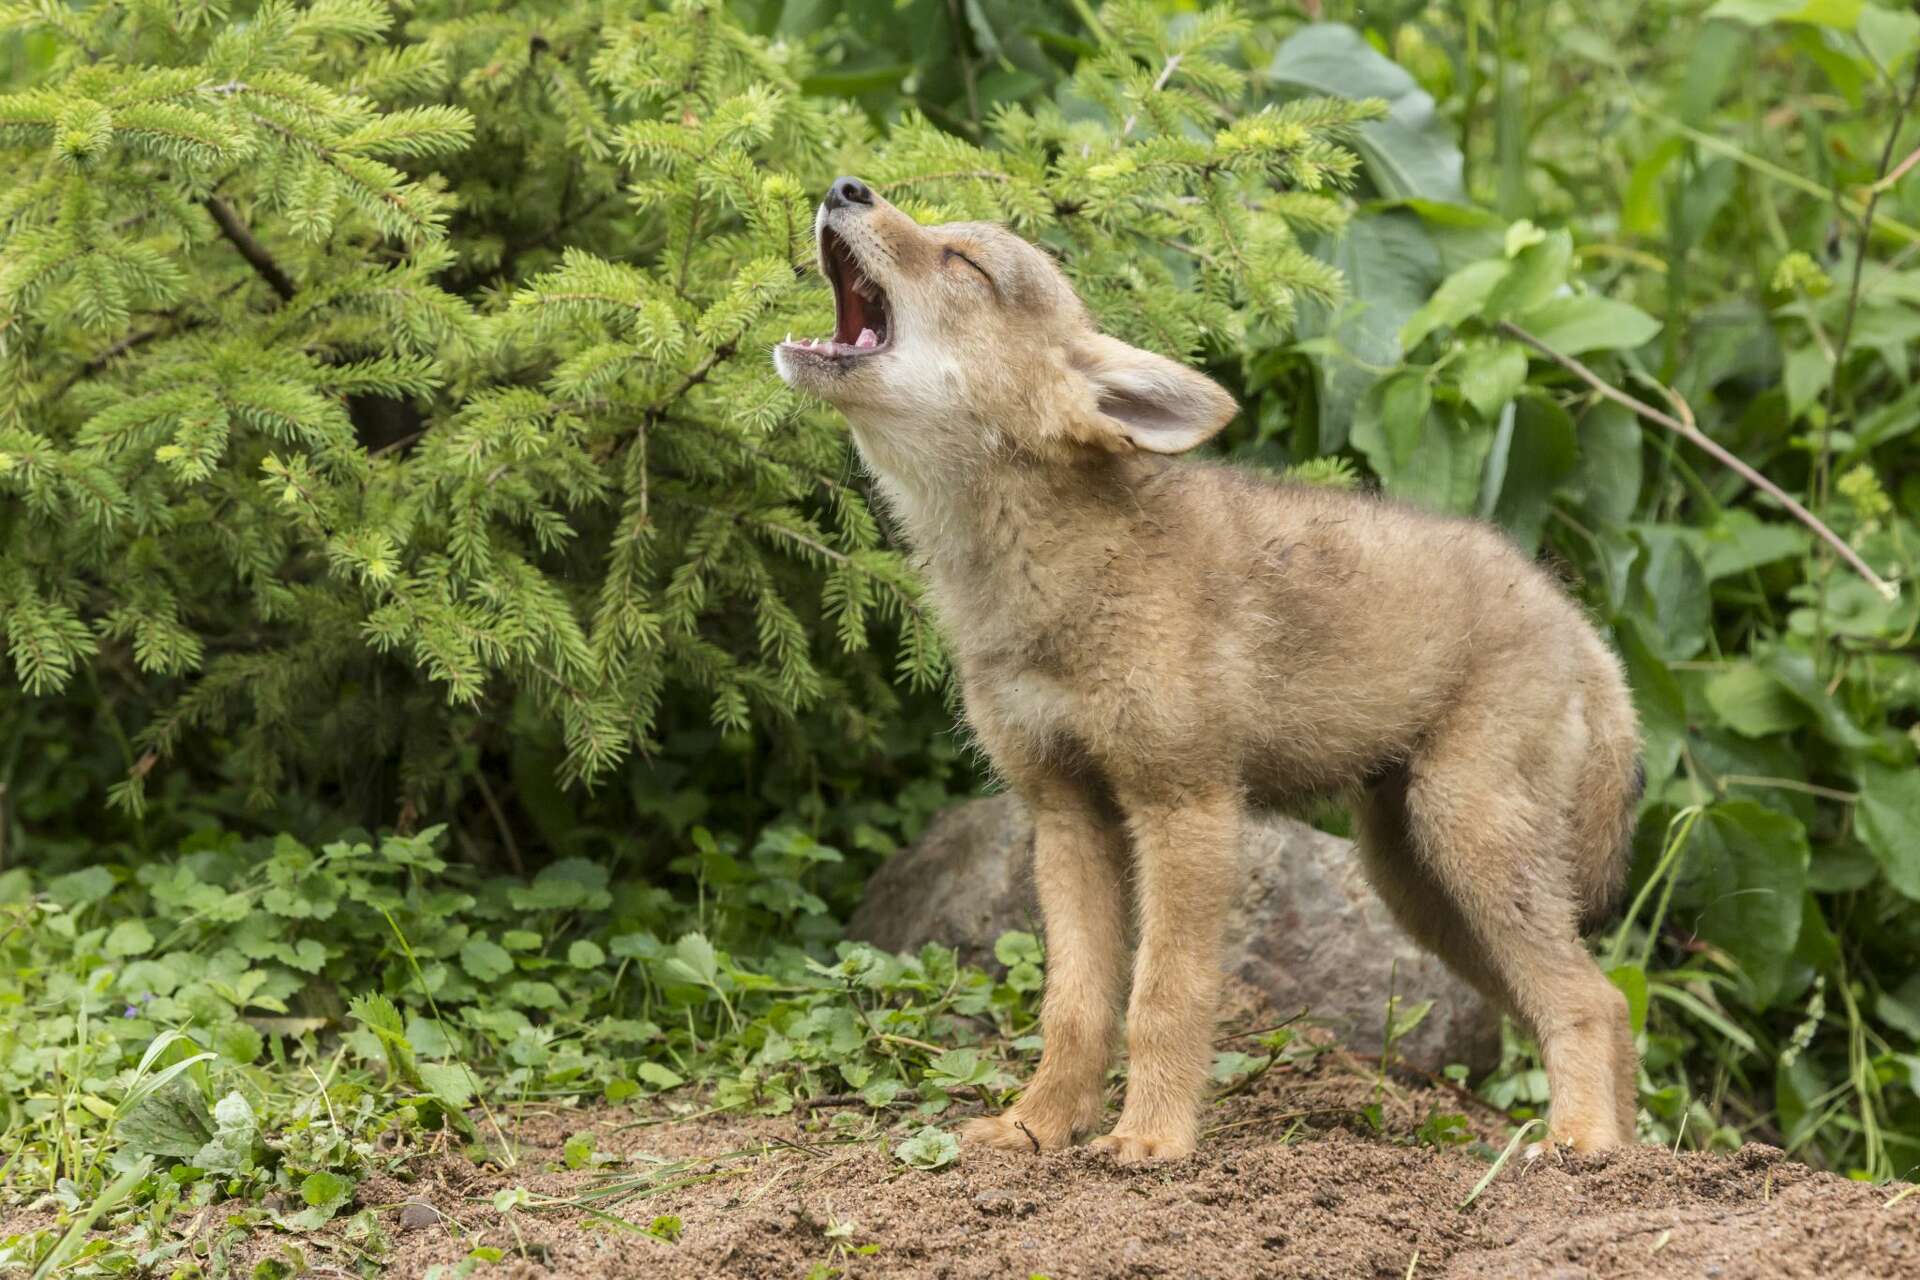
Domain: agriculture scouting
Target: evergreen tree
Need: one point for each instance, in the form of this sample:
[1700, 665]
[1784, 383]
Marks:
[365, 370]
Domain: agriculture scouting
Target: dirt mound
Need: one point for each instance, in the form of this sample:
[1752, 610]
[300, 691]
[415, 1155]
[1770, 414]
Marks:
[1287, 1185]
[1312, 1174]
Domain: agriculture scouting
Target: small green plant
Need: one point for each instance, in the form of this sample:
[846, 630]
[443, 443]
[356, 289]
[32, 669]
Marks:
[839, 1234]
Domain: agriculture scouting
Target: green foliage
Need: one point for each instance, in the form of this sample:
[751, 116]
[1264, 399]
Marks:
[364, 379]
[181, 1012]
[384, 433]
[1697, 242]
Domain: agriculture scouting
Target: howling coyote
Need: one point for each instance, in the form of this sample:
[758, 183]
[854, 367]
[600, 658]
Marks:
[1150, 648]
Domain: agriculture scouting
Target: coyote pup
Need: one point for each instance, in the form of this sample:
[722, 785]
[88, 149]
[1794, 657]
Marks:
[1148, 649]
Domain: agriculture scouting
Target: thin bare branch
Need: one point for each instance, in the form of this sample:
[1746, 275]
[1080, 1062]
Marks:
[1707, 444]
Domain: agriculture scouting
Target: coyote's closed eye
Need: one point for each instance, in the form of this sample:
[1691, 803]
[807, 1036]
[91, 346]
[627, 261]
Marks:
[1148, 647]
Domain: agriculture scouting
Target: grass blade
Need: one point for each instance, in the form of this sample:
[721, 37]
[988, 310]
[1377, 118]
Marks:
[1513, 1145]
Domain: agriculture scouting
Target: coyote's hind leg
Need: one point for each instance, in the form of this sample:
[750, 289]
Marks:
[1496, 847]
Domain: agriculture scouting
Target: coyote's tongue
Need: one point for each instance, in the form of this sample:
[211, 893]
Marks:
[866, 339]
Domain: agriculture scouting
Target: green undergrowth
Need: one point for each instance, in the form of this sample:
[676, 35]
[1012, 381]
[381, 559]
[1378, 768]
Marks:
[261, 1020]
[254, 1028]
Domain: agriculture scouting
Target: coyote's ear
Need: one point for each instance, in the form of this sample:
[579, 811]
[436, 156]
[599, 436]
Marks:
[1148, 401]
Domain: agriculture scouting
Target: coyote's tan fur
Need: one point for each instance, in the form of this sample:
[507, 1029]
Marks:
[1149, 648]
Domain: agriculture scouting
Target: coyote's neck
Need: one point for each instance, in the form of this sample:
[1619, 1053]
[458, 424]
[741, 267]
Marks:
[1003, 542]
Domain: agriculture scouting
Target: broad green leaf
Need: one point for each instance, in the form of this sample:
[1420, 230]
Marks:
[1391, 421]
[1443, 473]
[238, 1042]
[129, 938]
[1015, 946]
[1750, 701]
[928, 1149]
[1889, 818]
[1491, 374]
[171, 1121]
[1853, 608]
[78, 888]
[585, 954]
[1890, 35]
[1901, 1007]
[1658, 698]
[693, 960]
[1739, 541]
[450, 1082]
[1607, 474]
[1746, 880]
[1541, 455]
[236, 1137]
[1794, 670]
[960, 1067]
[1534, 275]
[325, 1190]
[1758, 13]
[1522, 235]
[380, 1016]
[658, 1076]
[485, 959]
[1674, 588]
[1632, 981]
[533, 995]
[1588, 322]
[1842, 868]
[1817, 950]
[1807, 373]
[1390, 264]
[427, 1039]
[1409, 154]
[569, 884]
[1460, 295]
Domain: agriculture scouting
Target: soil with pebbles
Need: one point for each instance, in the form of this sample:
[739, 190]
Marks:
[1291, 1182]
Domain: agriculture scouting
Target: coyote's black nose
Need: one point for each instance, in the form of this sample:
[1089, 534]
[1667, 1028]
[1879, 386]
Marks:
[846, 191]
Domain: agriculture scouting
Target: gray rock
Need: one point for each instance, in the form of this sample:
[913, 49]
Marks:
[1307, 930]
[417, 1215]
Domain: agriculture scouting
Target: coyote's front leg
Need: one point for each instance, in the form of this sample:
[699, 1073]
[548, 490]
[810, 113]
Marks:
[1187, 851]
[1079, 865]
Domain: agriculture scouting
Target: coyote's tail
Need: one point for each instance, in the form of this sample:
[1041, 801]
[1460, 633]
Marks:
[1609, 800]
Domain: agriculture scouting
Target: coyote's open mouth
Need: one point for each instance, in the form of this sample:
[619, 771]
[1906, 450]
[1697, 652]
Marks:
[861, 323]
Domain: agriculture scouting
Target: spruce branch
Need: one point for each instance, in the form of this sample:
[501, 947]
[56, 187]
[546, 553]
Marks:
[699, 374]
[249, 248]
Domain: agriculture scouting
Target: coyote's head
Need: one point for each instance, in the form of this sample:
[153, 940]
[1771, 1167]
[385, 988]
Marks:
[964, 341]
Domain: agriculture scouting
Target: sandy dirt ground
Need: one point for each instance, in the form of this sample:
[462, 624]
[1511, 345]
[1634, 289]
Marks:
[1291, 1182]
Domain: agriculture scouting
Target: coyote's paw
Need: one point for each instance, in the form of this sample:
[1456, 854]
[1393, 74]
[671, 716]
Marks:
[1585, 1134]
[1044, 1119]
[1136, 1148]
[1010, 1131]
